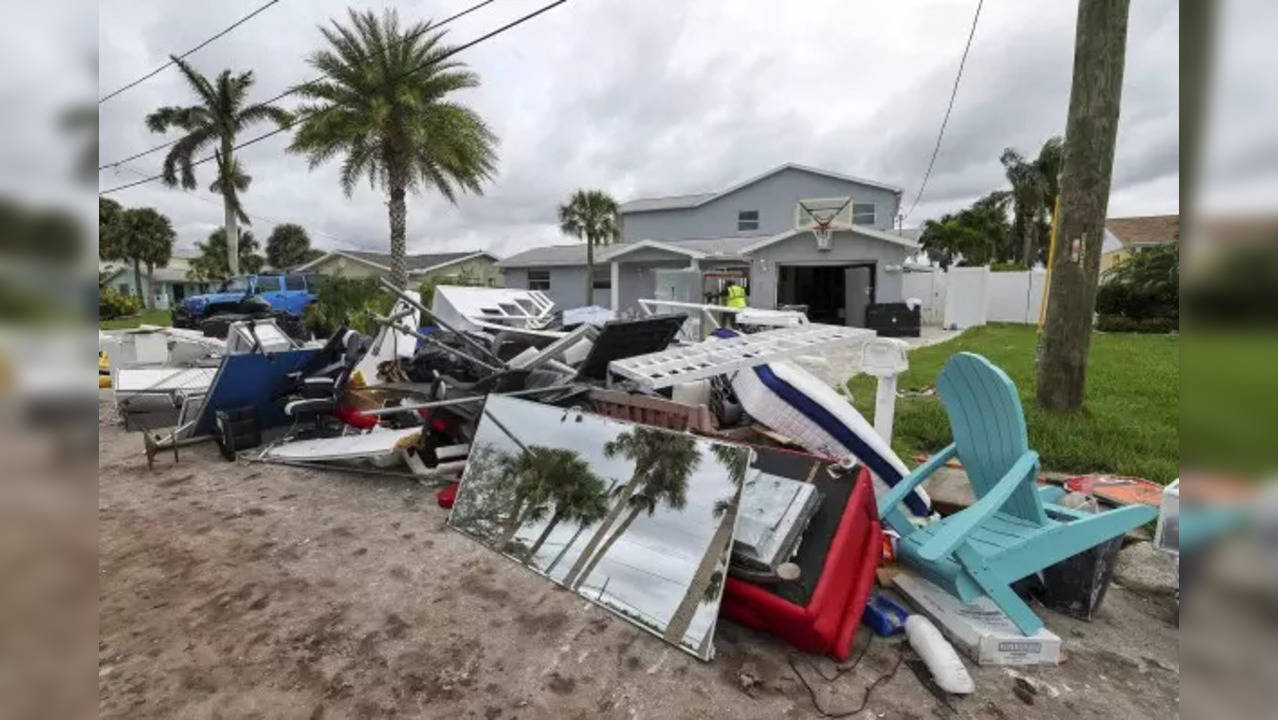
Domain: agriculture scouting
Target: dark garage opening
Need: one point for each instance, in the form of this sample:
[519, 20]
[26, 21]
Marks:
[833, 294]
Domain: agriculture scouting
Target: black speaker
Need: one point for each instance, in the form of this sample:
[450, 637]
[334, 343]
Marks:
[893, 319]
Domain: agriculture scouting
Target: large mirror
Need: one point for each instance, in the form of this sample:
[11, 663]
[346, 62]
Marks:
[636, 519]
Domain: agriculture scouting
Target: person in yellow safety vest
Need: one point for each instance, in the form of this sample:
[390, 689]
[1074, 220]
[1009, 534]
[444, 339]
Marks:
[736, 295]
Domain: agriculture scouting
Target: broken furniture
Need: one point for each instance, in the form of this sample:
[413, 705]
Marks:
[1013, 529]
[819, 611]
[479, 309]
[638, 520]
[676, 365]
[703, 319]
[620, 339]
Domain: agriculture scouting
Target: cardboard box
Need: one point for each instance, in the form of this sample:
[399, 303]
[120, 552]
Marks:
[980, 629]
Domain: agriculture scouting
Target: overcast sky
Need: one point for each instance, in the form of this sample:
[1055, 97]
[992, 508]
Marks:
[662, 97]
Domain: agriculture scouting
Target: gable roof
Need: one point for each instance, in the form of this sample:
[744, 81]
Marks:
[1146, 230]
[676, 202]
[381, 261]
[866, 230]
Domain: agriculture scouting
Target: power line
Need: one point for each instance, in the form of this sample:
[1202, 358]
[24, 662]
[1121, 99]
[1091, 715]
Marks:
[160, 69]
[295, 88]
[954, 92]
[419, 68]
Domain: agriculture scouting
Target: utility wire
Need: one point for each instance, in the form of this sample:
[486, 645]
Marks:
[946, 120]
[305, 116]
[295, 88]
[160, 69]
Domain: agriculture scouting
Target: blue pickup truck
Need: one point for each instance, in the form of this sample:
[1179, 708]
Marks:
[247, 294]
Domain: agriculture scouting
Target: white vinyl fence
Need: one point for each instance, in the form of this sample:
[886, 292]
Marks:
[966, 297]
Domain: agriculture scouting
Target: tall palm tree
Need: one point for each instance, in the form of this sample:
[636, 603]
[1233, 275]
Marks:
[736, 460]
[578, 496]
[590, 215]
[222, 112]
[531, 471]
[383, 106]
[1035, 185]
[670, 459]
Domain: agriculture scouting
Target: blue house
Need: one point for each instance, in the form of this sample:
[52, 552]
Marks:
[687, 247]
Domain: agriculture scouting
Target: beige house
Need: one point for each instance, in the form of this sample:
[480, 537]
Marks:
[1123, 236]
[459, 268]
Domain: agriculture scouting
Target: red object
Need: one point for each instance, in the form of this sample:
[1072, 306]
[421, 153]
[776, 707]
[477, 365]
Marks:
[354, 417]
[447, 496]
[1117, 489]
[828, 623]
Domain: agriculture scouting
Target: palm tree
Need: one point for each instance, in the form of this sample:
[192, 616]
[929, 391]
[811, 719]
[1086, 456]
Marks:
[736, 460]
[219, 116]
[530, 472]
[663, 463]
[383, 106]
[1035, 185]
[578, 496]
[590, 215]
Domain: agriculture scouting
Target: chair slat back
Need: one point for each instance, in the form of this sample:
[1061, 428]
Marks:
[988, 424]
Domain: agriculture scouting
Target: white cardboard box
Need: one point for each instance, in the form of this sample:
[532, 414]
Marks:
[980, 629]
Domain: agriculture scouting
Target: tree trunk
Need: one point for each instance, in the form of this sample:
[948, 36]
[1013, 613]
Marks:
[590, 270]
[572, 578]
[687, 609]
[585, 574]
[1025, 225]
[581, 526]
[398, 247]
[541, 539]
[1099, 46]
[232, 223]
[150, 286]
[137, 280]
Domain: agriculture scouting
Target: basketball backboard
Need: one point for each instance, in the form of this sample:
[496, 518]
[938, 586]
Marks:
[823, 216]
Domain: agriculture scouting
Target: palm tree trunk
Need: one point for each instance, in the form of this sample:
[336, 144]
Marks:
[683, 615]
[398, 247]
[137, 279]
[574, 573]
[232, 223]
[590, 270]
[541, 539]
[150, 286]
[512, 524]
[634, 513]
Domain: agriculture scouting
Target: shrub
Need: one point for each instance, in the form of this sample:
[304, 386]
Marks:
[113, 304]
[346, 301]
[1142, 293]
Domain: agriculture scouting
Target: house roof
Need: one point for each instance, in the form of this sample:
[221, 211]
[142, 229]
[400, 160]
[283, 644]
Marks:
[1146, 230]
[381, 261]
[160, 275]
[727, 248]
[675, 202]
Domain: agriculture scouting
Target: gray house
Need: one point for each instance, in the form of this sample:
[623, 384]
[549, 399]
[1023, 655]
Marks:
[687, 247]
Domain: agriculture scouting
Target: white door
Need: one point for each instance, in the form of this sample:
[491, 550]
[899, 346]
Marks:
[856, 287]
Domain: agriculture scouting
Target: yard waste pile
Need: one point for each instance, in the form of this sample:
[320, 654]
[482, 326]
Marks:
[663, 467]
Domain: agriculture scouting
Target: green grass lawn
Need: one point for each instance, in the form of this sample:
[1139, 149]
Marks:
[147, 317]
[1129, 424]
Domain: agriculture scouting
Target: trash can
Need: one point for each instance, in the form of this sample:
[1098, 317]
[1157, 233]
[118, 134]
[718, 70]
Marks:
[1076, 585]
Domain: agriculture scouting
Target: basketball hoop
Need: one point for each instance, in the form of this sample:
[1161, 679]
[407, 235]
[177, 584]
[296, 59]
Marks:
[822, 231]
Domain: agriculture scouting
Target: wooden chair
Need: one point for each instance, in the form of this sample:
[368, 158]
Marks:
[1013, 529]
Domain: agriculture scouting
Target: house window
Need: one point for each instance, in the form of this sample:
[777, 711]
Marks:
[538, 279]
[124, 289]
[747, 220]
[862, 213]
[603, 278]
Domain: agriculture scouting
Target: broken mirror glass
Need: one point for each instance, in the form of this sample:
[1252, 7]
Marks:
[636, 519]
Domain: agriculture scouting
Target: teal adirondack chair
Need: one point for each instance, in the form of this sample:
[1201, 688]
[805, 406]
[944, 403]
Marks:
[1013, 529]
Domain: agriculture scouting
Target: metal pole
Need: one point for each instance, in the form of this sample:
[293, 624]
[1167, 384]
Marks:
[436, 342]
[461, 401]
[422, 308]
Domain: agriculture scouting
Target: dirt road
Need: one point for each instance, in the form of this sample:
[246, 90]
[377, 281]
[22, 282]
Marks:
[249, 591]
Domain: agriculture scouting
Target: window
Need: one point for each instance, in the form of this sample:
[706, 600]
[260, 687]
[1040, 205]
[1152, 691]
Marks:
[538, 279]
[294, 282]
[603, 278]
[862, 213]
[238, 284]
[747, 220]
[124, 289]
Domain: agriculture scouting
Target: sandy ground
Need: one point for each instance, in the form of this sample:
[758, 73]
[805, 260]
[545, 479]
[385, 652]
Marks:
[248, 591]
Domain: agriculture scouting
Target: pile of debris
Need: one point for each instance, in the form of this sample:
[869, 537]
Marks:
[671, 468]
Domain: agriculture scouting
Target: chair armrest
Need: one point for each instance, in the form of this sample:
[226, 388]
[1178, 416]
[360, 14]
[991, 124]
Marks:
[911, 481]
[957, 530]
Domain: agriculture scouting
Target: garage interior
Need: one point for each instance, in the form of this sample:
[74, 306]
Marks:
[833, 294]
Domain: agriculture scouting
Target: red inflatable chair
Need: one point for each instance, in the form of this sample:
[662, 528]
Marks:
[819, 612]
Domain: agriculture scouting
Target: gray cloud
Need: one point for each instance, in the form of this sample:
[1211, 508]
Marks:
[669, 97]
